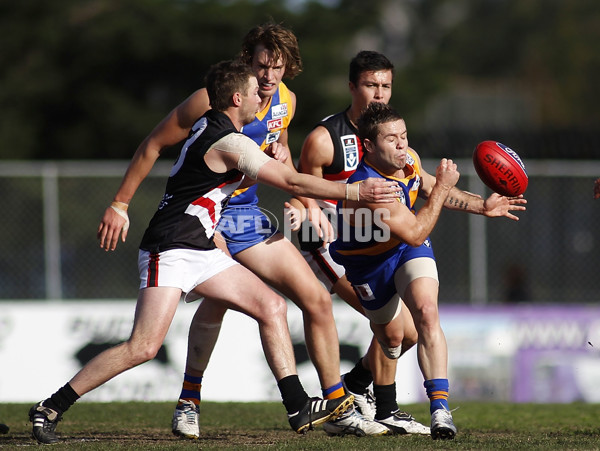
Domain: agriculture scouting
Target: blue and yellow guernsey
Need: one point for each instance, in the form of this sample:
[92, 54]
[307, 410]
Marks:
[264, 130]
[366, 249]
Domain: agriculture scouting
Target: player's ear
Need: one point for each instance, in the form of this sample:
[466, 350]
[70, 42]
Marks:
[237, 99]
[369, 145]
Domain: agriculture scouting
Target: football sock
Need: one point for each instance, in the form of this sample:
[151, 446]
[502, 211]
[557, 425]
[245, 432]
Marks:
[292, 393]
[334, 392]
[385, 400]
[191, 389]
[437, 392]
[359, 378]
[64, 398]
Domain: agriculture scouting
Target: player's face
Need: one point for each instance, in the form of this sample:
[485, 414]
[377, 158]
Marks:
[372, 87]
[250, 102]
[269, 72]
[388, 153]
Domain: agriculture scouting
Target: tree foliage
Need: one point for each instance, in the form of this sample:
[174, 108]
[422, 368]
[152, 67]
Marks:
[84, 79]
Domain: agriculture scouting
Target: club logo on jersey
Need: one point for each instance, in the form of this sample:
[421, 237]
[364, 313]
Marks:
[279, 111]
[272, 137]
[365, 292]
[350, 147]
[274, 123]
[401, 197]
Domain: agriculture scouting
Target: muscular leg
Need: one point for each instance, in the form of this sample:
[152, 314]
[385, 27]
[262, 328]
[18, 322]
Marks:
[421, 297]
[202, 336]
[278, 263]
[382, 368]
[153, 315]
[253, 298]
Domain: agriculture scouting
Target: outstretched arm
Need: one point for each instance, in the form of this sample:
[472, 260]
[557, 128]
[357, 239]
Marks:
[172, 129]
[236, 151]
[494, 206]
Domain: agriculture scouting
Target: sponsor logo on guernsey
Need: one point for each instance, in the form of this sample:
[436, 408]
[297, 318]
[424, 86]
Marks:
[350, 147]
[274, 123]
[272, 137]
[279, 111]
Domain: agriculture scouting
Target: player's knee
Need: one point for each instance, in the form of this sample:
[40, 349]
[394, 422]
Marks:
[316, 304]
[274, 308]
[428, 316]
[391, 352]
[392, 345]
[143, 352]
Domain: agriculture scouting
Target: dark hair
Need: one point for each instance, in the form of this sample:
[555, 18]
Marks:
[368, 61]
[224, 79]
[277, 39]
[375, 114]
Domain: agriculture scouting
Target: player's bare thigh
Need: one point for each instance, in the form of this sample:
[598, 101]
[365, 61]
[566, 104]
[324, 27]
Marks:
[154, 312]
[280, 264]
[239, 289]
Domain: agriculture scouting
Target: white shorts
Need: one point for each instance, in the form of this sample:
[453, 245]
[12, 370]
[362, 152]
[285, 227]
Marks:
[321, 263]
[181, 268]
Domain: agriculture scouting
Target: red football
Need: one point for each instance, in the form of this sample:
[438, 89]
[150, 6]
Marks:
[500, 168]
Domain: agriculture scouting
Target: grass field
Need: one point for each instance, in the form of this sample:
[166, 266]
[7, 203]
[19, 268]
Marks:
[146, 426]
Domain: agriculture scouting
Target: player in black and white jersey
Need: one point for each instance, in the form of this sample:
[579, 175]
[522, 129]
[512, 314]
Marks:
[177, 255]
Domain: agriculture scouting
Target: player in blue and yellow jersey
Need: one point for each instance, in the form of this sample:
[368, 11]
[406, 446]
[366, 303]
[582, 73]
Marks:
[387, 254]
[272, 52]
[333, 151]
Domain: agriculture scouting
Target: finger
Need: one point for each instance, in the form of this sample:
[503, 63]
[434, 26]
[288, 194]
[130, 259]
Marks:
[102, 235]
[113, 241]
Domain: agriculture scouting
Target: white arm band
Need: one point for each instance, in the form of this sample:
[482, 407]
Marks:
[251, 158]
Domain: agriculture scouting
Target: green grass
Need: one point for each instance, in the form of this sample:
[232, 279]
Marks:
[146, 426]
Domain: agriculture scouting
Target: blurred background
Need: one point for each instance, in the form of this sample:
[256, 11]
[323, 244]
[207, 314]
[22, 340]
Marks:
[82, 82]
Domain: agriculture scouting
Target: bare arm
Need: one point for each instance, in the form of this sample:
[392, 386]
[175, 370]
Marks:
[494, 206]
[371, 190]
[317, 153]
[414, 229]
[597, 189]
[172, 129]
[236, 151]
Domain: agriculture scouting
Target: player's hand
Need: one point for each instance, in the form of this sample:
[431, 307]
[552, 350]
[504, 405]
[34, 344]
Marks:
[277, 151]
[115, 222]
[447, 174]
[597, 189]
[378, 190]
[293, 216]
[321, 224]
[498, 205]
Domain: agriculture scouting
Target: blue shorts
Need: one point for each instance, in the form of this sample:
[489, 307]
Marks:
[245, 226]
[373, 281]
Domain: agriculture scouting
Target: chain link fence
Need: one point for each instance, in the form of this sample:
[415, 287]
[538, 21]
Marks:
[50, 251]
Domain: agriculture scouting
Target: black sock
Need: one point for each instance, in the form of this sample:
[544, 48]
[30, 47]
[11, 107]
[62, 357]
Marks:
[359, 378]
[64, 398]
[292, 393]
[385, 400]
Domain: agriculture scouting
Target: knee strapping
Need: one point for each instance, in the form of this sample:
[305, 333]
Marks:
[393, 353]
